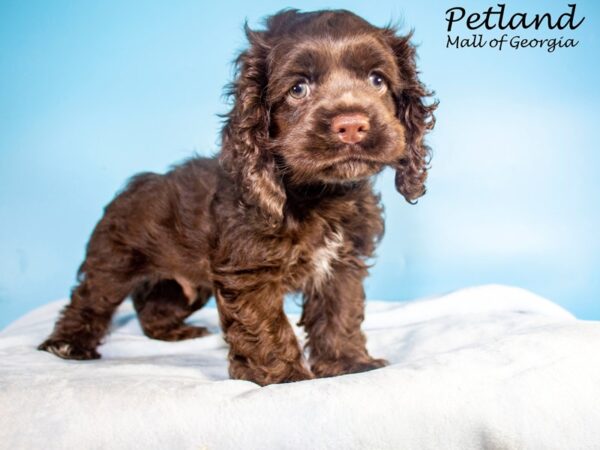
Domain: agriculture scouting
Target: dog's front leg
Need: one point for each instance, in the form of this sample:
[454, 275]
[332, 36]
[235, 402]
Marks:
[262, 344]
[332, 315]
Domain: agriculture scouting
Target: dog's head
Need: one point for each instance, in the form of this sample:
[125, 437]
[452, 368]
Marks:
[325, 97]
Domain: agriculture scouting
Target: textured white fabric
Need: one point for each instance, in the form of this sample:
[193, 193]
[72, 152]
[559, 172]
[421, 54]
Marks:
[487, 367]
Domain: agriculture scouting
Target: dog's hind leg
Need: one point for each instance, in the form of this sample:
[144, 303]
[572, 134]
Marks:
[162, 308]
[86, 319]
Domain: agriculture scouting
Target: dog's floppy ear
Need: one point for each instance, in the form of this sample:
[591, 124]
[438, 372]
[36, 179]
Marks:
[245, 151]
[417, 117]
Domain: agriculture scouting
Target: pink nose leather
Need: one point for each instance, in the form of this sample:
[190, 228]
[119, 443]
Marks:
[350, 128]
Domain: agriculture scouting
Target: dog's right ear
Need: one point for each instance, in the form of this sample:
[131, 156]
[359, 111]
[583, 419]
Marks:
[246, 153]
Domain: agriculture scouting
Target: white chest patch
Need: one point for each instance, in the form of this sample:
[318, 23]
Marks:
[325, 256]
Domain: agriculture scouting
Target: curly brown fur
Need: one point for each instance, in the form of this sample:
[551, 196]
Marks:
[323, 101]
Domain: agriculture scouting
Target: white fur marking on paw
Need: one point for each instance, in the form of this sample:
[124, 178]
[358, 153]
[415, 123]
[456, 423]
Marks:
[324, 257]
[62, 351]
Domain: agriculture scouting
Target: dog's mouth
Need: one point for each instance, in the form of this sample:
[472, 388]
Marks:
[350, 169]
[353, 159]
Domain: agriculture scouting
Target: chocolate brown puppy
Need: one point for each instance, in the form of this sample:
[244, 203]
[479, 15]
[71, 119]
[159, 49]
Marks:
[322, 102]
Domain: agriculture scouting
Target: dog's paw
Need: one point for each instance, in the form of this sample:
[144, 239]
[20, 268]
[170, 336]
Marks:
[193, 332]
[67, 350]
[291, 376]
[331, 368]
[298, 374]
[281, 372]
[174, 334]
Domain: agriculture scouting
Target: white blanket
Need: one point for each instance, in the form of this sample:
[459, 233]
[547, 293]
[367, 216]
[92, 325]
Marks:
[490, 367]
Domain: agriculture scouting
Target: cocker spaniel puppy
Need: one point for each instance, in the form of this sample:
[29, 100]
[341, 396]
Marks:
[323, 101]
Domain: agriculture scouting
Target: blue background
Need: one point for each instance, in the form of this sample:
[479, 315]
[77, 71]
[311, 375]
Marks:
[93, 92]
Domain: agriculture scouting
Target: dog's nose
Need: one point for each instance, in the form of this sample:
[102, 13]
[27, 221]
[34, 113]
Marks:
[350, 128]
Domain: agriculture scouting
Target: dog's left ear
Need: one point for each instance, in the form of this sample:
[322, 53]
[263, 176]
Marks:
[245, 150]
[416, 115]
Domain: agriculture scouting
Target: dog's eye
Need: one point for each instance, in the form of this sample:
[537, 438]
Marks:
[377, 81]
[299, 90]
